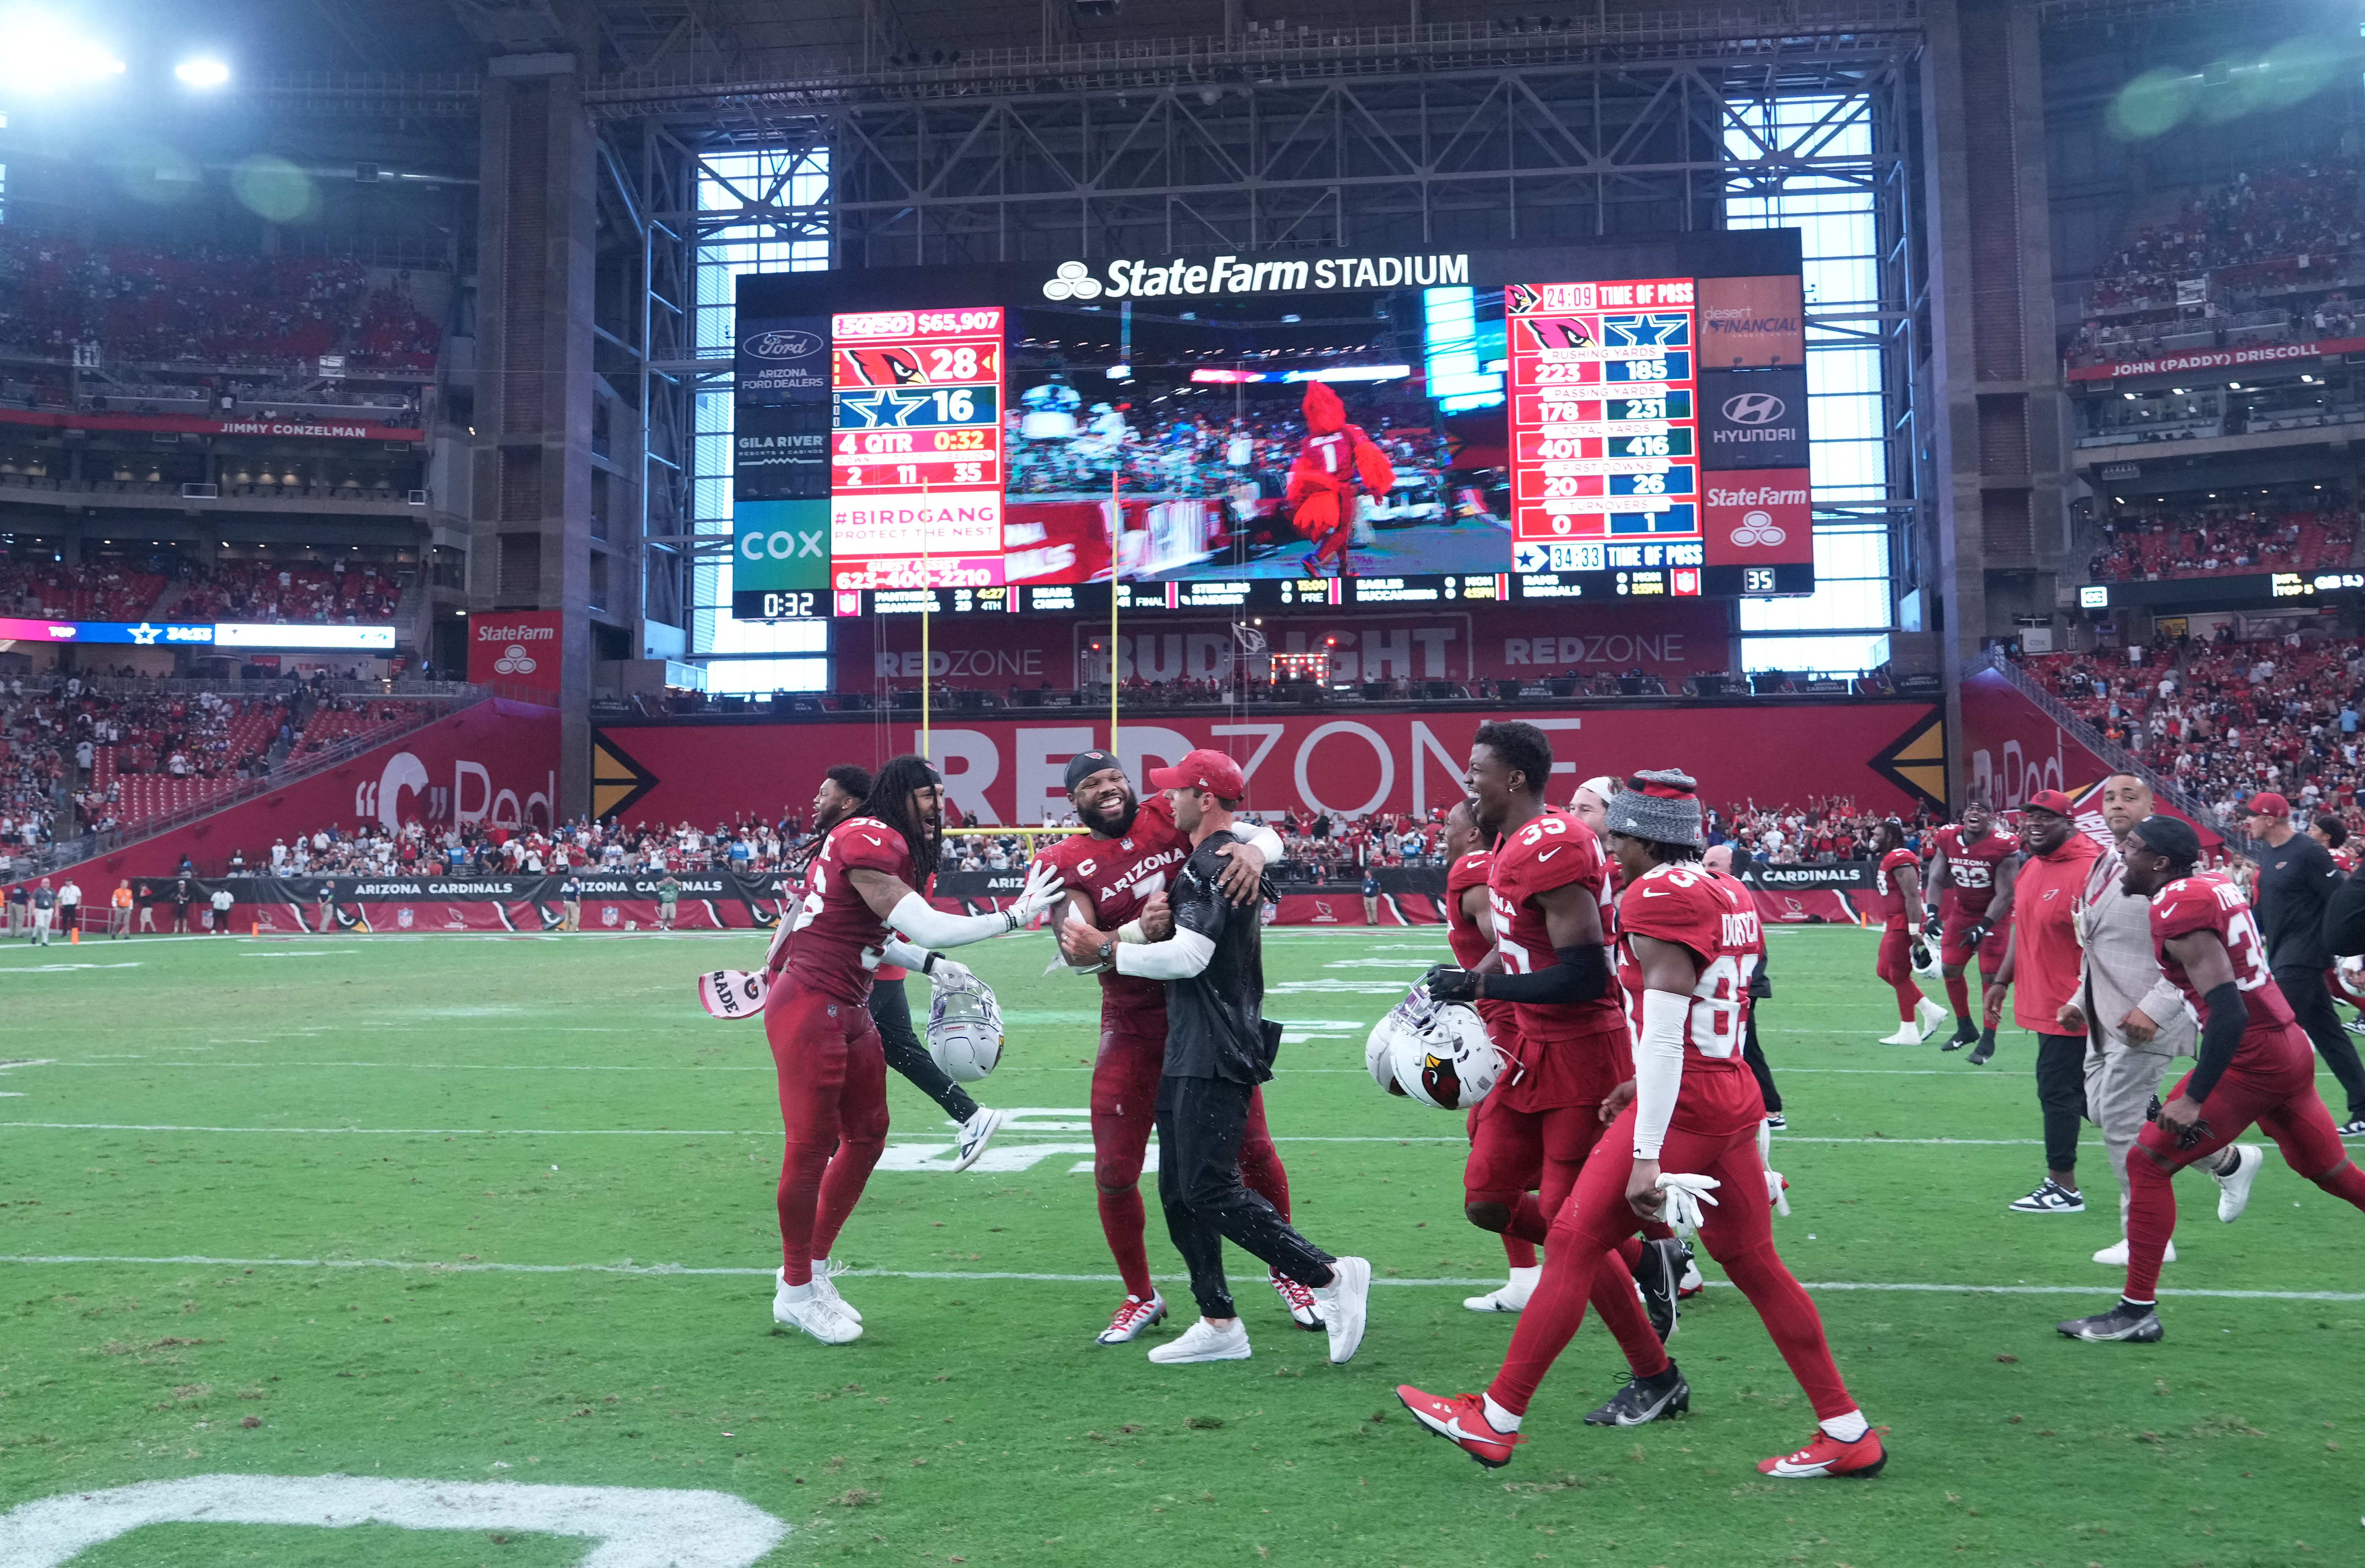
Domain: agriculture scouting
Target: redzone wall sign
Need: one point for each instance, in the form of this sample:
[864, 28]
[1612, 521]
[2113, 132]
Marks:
[1009, 770]
[517, 647]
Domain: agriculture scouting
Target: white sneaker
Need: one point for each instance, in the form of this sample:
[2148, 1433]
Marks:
[2234, 1192]
[976, 1133]
[1304, 1310]
[815, 1315]
[1907, 1034]
[2050, 1198]
[2114, 1256]
[1343, 1303]
[824, 1283]
[1203, 1341]
[1134, 1319]
[1928, 1015]
[1511, 1297]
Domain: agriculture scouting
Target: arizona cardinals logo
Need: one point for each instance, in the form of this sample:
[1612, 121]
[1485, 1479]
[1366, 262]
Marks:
[880, 367]
[1557, 331]
[1442, 1079]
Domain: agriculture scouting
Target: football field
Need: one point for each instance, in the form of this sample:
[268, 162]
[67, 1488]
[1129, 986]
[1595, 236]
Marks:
[497, 1213]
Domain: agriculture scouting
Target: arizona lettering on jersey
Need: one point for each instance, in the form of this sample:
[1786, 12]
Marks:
[1716, 917]
[1120, 875]
[2208, 900]
[1569, 1055]
[1971, 868]
[1890, 901]
[1469, 944]
[834, 946]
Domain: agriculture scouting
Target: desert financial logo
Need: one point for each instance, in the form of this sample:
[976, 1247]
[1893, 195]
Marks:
[1233, 274]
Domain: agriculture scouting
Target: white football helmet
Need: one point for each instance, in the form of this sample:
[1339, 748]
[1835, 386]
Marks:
[964, 1029]
[1926, 961]
[1380, 1055]
[1442, 1055]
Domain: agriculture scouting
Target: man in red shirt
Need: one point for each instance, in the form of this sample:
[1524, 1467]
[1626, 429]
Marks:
[1897, 885]
[2254, 1066]
[2043, 957]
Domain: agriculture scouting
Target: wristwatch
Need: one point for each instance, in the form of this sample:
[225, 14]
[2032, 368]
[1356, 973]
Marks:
[1107, 953]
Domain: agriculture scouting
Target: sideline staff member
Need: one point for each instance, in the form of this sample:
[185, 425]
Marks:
[2044, 957]
[1218, 1049]
[2296, 877]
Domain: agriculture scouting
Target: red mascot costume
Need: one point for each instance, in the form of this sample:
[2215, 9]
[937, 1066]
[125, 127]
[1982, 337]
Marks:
[1321, 496]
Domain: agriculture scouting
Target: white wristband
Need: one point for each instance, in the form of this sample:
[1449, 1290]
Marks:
[1131, 931]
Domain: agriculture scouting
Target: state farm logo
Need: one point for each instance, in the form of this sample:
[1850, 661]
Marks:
[1753, 408]
[1758, 528]
[782, 346]
[516, 661]
[1072, 281]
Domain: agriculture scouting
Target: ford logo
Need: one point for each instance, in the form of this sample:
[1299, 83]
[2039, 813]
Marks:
[782, 345]
[1752, 409]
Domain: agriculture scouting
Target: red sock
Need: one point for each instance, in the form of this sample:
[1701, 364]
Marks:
[1576, 1269]
[1520, 1252]
[1530, 1224]
[1958, 996]
[841, 1188]
[1909, 999]
[1261, 1172]
[1794, 1325]
[2347, 1181]
[2151, 1221]
[1629, 1252]
[1122, 1219]
[799, 1196]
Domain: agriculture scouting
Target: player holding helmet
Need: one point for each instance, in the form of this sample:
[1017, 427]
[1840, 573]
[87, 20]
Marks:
[1970, 882]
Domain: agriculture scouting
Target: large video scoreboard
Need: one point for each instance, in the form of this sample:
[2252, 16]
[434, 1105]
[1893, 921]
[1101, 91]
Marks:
[1261, 432]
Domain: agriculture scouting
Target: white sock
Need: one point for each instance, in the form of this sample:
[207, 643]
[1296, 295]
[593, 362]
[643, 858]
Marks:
[1523, 1281]
[803, 1292]
[820, 1267]
[1847, 1428]
[1502, 1420]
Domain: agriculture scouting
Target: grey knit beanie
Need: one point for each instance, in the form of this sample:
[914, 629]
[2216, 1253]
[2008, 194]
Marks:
[1658, 805]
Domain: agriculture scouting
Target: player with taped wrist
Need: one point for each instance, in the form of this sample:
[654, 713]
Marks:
[1547, 888]
[862, 888]
[1685, 1141]
[1219, 1048]
[2254, 1066]
[1117, 872]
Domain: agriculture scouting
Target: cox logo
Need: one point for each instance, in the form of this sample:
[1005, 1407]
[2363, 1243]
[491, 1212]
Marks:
[1073, 280]
[1752, 409]
[782, 345]
[782, 544]
[1758, 527]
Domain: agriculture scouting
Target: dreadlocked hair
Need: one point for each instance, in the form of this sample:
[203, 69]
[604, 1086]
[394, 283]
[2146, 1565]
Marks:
[890, 803]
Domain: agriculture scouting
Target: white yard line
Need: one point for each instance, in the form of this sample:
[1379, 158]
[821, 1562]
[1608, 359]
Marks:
[661, 1271]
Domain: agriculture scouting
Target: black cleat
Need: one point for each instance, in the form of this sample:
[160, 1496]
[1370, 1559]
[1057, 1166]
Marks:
[2125, 1322]
[2353, 1127]
[1985, 1051]
[1657, 1277]
[1644, 1400]
[1776, 1120]
[1965, 1033]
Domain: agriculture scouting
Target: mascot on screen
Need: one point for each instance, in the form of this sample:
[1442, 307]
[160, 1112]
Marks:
[1321, 496]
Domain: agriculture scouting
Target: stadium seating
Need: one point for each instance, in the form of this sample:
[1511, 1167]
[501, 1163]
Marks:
[2223, 540]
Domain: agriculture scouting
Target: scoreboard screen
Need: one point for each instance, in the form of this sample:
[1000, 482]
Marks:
[1266, 432]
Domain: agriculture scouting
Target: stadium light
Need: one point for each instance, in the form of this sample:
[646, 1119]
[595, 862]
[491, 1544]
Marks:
[41, 53]
[204, 73]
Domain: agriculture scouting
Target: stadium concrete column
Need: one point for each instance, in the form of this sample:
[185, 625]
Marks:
[530, 523]
[1992, 458]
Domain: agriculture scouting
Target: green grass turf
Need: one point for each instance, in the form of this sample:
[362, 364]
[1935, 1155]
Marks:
[976, 1420]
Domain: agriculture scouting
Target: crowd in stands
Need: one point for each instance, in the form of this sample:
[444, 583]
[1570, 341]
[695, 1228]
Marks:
[206, 307]
[270, 590]
[2260, 246]
[2211, 539]
[67, 590]
[34, 753]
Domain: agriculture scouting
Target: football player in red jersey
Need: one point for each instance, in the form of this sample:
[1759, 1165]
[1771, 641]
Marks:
[862, 889]
[1545, 890]
[1970, 878]
[1117, 873]
[1897, 888]
[1469, 933]
[2255, 1065]
[1686, 1129]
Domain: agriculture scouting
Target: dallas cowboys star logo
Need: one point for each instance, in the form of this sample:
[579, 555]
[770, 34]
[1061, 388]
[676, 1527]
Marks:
[146, 636]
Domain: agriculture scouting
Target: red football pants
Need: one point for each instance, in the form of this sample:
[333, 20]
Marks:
[1738, 1232]
[1896, 966]
[1124, 1112]
[1518, 1251]
[1511, 1151]
[2283, 1103]
[833, 1079]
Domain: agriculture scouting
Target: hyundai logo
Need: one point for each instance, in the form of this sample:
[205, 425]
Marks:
[1752, 409]
[782, 345]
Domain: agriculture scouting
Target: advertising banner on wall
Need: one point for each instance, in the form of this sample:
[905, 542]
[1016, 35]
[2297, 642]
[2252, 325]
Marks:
[515, 648]
[1752, 418]
[1009, 770]
[1751, 321]
[781, 359]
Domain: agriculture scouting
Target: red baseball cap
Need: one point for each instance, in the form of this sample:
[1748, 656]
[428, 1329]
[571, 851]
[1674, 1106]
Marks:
[1203, 769]
[2052, 801]
[2267, 803]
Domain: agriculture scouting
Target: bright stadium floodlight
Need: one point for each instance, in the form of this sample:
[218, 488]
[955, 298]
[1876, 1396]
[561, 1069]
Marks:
[204, 73]
[41, 53]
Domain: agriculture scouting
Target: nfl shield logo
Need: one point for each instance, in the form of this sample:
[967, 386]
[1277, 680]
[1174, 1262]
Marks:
[403, 917]
[608, 915]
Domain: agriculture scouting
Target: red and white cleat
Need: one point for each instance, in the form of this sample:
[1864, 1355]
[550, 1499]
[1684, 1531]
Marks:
[1462, 1421]
[1134, 1319]
[1827, 1456]
[1304, 1310]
